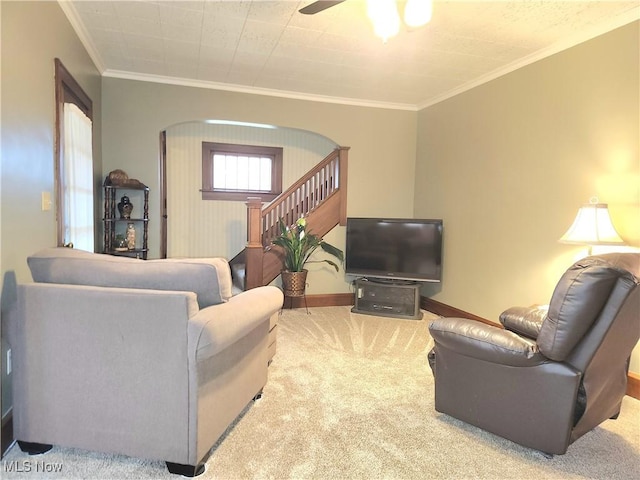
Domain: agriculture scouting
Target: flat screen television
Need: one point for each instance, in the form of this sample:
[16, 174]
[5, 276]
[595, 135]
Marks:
[394, 249]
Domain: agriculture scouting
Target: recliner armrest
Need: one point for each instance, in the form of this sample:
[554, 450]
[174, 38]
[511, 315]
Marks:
[525, 321]
[485, 342]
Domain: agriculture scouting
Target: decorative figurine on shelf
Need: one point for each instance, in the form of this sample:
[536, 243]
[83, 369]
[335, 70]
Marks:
[131, 236]
[117, 177]
[125, 207]
[121, 243]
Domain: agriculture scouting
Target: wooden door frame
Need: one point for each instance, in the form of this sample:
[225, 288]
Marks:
[163, 194]
[67, 90]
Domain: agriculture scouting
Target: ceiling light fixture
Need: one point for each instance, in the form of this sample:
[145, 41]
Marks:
[417, 12]
[386, 19]
[384, 16]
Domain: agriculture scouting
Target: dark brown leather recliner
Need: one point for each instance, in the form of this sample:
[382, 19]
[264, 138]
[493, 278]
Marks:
[553, 373]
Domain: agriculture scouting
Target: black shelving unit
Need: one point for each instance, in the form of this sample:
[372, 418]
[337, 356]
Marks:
[114, 224]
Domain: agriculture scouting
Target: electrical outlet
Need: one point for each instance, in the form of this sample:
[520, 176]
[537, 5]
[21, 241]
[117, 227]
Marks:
[9, 362]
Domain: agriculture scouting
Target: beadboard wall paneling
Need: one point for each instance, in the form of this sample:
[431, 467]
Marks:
[204, 228]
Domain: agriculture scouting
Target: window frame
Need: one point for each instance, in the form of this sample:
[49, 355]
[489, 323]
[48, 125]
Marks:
[211, 148]
[67, 90]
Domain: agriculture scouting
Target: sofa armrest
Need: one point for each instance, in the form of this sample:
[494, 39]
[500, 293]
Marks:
[484, 342]
[216, 327]
[525, 321]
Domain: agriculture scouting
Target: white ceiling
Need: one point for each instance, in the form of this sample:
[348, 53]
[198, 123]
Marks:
[268, 47]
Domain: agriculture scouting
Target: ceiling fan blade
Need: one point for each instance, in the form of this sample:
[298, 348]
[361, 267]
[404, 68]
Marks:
[319, 6]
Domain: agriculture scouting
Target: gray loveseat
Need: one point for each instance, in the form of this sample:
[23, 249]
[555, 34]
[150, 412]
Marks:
[151, 359]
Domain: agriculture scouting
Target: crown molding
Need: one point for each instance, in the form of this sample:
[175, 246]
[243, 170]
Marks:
[73, 17]
[187, 82]
[620, 21]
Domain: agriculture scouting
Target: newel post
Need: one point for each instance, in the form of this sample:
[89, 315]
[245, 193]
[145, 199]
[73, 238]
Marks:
[344, 171]
[255, 249]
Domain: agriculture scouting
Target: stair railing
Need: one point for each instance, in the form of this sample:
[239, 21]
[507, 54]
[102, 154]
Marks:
[325, 181]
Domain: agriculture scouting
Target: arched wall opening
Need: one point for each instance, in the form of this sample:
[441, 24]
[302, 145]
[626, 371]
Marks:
[204, 228]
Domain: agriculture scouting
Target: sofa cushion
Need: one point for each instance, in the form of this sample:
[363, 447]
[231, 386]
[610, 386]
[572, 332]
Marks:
[209, 278]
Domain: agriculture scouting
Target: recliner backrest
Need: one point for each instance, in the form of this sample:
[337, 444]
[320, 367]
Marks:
[576, 303]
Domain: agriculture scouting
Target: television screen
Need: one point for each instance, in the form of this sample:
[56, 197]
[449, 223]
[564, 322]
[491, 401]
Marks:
[397, 248]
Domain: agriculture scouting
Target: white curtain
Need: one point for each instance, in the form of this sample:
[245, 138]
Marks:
[77, 176]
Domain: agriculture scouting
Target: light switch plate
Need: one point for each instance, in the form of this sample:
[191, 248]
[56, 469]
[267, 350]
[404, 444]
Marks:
[46, 201]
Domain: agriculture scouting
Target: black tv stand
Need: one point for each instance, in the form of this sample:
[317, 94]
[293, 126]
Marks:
[388, 298]
[389, 281]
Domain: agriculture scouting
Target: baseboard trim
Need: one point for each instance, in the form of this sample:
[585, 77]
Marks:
[444, 310]
[633, 385]
[633, 379]
[320, 300]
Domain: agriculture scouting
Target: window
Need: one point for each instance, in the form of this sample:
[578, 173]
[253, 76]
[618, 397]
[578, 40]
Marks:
[235, 172]
[74, 163]
[77, 181]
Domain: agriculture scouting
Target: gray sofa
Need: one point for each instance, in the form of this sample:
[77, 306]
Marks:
[152, 359]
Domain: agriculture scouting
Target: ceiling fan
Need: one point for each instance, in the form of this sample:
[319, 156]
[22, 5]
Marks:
[319, 6]
[384, 13]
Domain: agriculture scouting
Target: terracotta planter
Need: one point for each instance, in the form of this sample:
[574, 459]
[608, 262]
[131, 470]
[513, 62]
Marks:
[294, 283]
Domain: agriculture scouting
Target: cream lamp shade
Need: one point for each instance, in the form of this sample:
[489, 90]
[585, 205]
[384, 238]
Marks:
[592, 226]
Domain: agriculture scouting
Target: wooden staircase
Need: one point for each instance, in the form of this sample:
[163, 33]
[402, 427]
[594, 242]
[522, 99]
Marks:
[320, 196]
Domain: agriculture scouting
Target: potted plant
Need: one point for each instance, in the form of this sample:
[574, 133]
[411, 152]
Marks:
[298, 245]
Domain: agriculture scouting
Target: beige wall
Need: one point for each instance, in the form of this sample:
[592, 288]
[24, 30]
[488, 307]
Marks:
[507, 165]
[381, 159]
[33, 34]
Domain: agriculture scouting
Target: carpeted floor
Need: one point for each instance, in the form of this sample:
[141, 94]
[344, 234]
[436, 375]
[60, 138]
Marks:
[351, 397]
